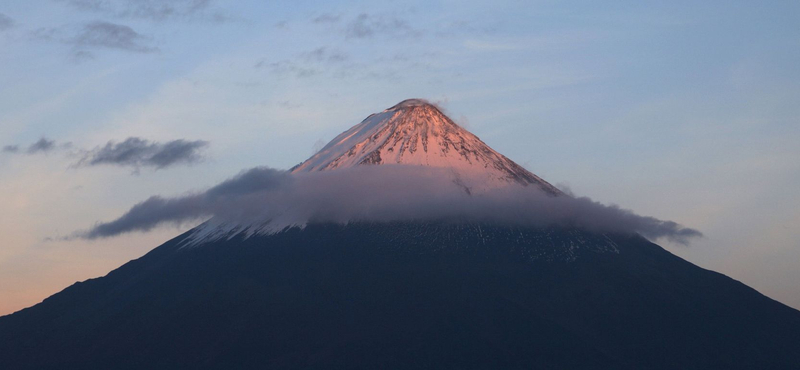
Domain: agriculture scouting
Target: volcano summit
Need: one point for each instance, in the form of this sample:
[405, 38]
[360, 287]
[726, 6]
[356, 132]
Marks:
[415, 132]
[406, 242]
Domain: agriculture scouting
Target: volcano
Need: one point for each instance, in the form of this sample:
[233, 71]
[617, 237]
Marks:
[415, 132]
[407, 293]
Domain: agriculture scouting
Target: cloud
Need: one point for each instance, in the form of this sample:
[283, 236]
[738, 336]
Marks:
[367, 26]
[5, 22]
[112, 36]
[566, 189]
[137, 152]
[96, 35]
[149, 214]
[288, 67]
[152, 10]
[307, 63]
[327, 18]
[158, 210]
[268, 200]
[323, 54]
[81, 55]
[43, 145]
[11, 149]
[132, 152]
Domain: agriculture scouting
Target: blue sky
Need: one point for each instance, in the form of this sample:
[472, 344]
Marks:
[681, 110]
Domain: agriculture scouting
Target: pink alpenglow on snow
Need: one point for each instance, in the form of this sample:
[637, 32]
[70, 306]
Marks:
[415, 132]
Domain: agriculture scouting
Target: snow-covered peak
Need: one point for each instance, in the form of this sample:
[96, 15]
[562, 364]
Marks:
[415, 132]
[411, 133]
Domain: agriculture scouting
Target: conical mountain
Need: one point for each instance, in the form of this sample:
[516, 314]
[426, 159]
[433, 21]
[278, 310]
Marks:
[415, 132]
[400, 295]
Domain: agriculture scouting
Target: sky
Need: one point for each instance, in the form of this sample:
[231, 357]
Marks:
[680, 110]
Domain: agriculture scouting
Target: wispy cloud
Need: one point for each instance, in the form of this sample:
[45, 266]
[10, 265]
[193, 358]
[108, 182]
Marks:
[323, 54]
[326, 18]
[5, 22]
[392, 24]
[42, 145]
[152, 10]
[81, 55]
[271, 199]
[97, 35]
[286, 66]
[369, 25]
[306, 64]
[112, 36]
[132, 152]
[137, 152]
[333, 62]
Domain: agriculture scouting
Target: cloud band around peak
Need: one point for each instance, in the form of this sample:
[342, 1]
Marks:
[263, 196]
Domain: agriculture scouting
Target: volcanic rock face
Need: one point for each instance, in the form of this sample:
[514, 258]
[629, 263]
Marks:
[415, 132]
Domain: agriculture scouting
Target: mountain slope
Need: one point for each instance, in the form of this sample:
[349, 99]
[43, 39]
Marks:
[415, 132]
[407, 295]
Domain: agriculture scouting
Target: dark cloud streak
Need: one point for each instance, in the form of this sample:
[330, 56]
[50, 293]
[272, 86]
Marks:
[132, 152]
[137, 152]
[11, 149]
[149, 214]
[43, 145]
[157, 210]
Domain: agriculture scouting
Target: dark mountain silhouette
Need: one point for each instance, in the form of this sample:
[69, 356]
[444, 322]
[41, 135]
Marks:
[444, 294]
[407, 296]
